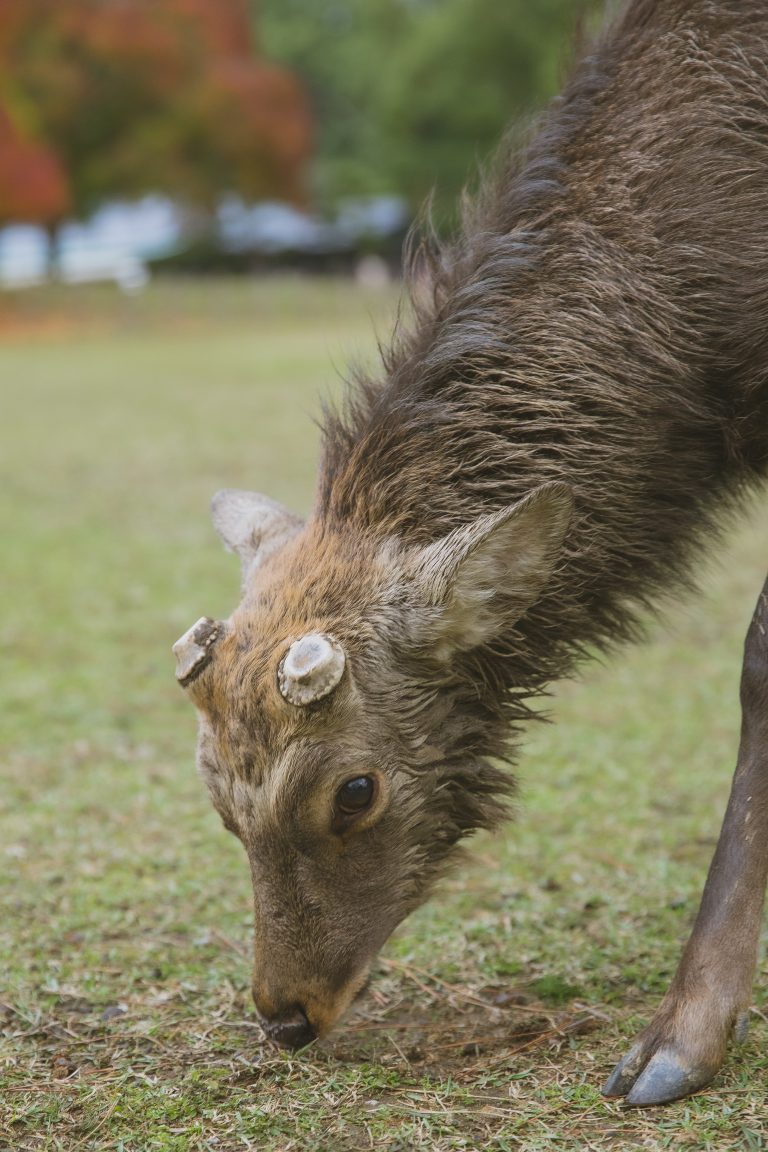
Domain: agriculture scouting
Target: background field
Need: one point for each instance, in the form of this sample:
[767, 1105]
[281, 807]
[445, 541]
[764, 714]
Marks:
[498, 1009]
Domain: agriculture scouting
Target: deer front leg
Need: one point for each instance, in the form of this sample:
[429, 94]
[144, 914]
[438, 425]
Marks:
[684, 1045]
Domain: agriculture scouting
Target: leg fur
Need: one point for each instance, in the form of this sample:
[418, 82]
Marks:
[683, 1047]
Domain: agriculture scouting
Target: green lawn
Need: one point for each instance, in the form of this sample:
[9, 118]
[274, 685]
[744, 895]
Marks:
[124, 907]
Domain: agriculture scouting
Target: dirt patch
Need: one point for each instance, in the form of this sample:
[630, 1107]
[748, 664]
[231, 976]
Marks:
[452, 1029]
[17, 326]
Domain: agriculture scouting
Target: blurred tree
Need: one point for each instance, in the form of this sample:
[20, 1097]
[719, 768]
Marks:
[340, 49]
[131, 96]
[33, 187]
[408, 95]
[468, 69]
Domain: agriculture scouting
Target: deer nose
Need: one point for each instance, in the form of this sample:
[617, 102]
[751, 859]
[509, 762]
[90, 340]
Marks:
[289, 1030]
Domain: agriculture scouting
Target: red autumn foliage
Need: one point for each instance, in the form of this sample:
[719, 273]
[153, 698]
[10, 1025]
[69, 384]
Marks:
[121, 97]
[33, 186]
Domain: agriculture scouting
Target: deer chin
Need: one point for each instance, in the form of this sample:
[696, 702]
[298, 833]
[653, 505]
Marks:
[331, 1013]
[310, 1014]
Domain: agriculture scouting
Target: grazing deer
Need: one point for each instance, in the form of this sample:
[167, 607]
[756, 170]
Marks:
[581, 398]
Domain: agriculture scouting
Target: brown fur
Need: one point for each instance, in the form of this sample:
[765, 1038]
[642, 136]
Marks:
[596, 337]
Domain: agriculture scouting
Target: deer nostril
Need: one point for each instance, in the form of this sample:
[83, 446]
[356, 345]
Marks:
[292, 1030]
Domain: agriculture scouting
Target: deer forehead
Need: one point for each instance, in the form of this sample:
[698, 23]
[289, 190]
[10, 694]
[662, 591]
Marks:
[300, 593]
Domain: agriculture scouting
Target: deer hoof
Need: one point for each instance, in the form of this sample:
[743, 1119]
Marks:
[679, 1052]
[663, 1077]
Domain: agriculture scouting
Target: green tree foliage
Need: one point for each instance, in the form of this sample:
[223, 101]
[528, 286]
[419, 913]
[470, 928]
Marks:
[338, 48]
[470, 68]
[409, 95]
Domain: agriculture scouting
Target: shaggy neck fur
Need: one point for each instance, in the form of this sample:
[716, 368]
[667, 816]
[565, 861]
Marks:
[600, 321]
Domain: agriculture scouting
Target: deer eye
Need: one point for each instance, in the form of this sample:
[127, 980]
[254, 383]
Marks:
[355, 795]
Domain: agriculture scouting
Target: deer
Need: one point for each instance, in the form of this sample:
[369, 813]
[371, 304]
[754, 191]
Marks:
[574, 406]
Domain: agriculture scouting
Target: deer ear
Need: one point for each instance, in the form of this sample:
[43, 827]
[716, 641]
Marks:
[251, 525]
[482, 577]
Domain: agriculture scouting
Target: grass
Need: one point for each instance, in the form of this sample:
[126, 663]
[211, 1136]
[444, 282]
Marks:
[499, 1008]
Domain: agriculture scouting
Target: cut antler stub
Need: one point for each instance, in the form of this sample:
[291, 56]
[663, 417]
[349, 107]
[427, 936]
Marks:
[311, 668]
[193, 650]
